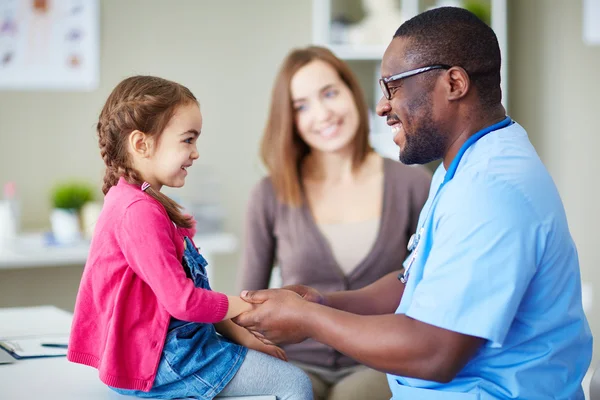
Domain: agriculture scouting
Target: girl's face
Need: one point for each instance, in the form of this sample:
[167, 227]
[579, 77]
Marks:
[326, 114]
[176, 149]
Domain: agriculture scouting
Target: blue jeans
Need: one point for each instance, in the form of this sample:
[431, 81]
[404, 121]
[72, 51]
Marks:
[261, 374]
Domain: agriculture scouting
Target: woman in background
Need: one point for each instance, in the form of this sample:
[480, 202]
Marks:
[332, 213]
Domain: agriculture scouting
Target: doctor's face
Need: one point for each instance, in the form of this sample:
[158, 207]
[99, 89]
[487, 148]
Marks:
[410, 112]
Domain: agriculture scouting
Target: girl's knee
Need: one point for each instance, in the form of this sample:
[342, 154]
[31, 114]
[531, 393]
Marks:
[301, 386]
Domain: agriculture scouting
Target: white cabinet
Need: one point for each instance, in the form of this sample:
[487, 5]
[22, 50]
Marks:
[359, 31]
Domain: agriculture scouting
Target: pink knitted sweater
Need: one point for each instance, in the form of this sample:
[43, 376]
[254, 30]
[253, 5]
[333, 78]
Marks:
[133, 282]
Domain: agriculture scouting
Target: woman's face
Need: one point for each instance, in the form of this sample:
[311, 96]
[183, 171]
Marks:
[325, 112]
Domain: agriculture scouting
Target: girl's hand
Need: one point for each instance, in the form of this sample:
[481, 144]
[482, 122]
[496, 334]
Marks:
[270, 349]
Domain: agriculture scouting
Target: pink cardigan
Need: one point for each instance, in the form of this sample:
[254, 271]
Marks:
[133, 282]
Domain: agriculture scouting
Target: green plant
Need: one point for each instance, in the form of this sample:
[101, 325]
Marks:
[71, 195]
[482, 9]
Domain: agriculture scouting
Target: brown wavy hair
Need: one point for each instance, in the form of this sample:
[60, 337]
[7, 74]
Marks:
[147, 104]
[282, 148]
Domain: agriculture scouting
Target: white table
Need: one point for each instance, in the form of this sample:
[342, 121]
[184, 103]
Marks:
[55, 378]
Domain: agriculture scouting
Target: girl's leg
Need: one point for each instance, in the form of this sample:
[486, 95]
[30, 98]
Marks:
[261, 374]
[320, 387]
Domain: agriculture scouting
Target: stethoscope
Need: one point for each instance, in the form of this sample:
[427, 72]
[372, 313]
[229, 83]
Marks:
[413, 242]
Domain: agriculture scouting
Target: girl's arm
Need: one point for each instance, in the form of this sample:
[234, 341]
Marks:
[235, 332]
[147, 239]
[236, 307]
[243, 337]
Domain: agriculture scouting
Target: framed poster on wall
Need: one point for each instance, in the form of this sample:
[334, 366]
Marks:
[49, 45]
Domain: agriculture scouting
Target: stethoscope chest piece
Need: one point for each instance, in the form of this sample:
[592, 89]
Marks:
[412, 242]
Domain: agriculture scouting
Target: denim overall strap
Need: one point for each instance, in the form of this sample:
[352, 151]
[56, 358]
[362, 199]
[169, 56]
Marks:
[196, 265]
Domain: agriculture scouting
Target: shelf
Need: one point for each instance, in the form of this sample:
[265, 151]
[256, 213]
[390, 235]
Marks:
[31, 251]
[329, 35]
[350, 52]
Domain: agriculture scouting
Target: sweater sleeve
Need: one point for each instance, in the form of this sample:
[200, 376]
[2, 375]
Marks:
[258, 253]
[146, 240]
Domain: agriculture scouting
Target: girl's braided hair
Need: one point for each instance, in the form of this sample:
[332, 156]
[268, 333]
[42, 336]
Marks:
[147, 104]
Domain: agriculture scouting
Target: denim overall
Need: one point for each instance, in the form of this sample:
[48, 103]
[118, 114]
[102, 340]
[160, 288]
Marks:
[196, 361]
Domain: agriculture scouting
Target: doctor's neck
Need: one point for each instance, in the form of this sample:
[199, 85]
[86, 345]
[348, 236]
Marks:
[472, 122]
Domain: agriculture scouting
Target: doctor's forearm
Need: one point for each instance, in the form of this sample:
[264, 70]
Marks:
[380, 297]
[391, 343]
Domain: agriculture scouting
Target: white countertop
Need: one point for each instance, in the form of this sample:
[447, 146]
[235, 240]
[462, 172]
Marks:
[51, 378]
[31, 250]
[55, 378]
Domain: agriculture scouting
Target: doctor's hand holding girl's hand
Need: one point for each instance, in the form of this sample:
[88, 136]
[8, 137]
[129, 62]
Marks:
[278, 316]
[247, 338]
[307, 293]
[242, 336]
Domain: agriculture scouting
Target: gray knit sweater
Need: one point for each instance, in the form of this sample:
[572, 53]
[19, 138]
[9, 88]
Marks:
[276, 233]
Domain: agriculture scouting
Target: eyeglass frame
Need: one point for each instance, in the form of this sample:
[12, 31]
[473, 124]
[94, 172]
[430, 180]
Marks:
[383, 82]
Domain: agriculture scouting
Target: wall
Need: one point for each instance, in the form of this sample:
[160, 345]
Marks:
[225, 51]
[554, 86]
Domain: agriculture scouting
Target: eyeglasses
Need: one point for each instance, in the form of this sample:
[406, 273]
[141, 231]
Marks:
[383, 82]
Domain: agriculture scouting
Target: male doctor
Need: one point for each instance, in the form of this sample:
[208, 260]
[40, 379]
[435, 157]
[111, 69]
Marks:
[488, 305]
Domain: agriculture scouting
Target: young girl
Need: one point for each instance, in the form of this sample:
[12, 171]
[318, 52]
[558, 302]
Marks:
[145, 312]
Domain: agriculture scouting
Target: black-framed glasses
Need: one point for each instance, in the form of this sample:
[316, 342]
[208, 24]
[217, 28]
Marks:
[383, 82]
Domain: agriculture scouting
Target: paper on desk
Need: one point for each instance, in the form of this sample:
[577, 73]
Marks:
[32, 347]
[23, 322]
[24, 329]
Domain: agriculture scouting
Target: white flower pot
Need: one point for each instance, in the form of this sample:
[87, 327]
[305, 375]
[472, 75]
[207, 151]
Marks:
[89, 216]
[65, 226]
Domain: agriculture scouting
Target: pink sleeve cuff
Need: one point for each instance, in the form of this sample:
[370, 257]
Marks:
[222, 306]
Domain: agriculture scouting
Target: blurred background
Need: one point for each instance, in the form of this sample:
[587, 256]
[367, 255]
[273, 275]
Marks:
[227, 52]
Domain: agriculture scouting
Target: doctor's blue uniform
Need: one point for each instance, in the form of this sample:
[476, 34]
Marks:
[494, 259]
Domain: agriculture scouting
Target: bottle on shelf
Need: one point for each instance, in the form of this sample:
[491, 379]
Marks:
[10, 214]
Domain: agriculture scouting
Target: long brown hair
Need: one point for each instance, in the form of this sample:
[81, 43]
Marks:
[147, 104]
[282, 148]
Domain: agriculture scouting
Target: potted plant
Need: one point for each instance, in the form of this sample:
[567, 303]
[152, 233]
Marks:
[482, 9]
[67, 200]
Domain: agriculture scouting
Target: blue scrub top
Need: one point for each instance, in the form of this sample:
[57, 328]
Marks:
[496, 260]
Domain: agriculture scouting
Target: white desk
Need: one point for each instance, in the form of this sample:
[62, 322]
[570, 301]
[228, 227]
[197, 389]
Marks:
[52, 378]
[56, 378]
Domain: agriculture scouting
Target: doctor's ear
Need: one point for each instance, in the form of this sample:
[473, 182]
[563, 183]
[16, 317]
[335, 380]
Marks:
[140, 143]
[458, 83]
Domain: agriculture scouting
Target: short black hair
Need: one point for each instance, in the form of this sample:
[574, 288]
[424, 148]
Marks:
[456, 37]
